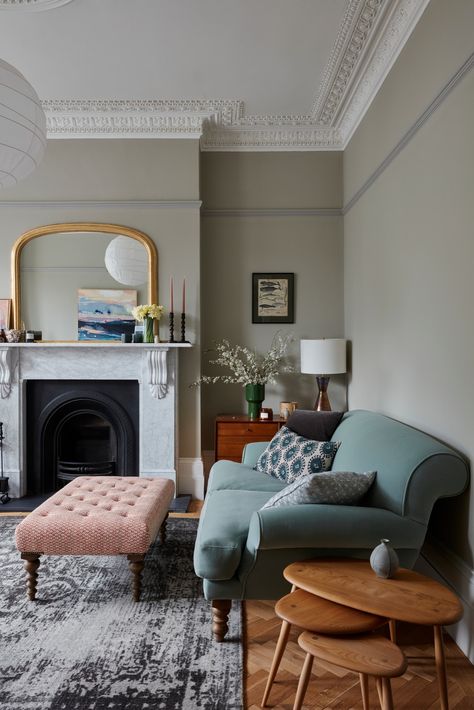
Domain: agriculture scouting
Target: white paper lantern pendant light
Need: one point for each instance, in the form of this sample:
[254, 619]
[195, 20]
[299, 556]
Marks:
[22, 127]
[126, 260]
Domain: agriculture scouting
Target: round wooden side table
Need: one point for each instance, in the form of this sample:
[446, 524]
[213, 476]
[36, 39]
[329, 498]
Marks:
[409, 597]
[315, 614]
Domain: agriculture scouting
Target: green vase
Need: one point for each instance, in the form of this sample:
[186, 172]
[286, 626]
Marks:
[148, 334]
[254, 394]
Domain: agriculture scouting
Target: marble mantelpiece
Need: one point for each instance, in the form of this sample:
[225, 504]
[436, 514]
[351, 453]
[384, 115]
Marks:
[153, 366]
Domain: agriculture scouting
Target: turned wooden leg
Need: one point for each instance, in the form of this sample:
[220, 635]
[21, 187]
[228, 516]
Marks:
[303, 681]
[279, 651]
[220, 615]
[441, 667]
[378, 685]
[387, 694]
[136, 564]
[31, 564]
[393, 630]
[364, 689]
[163, 529]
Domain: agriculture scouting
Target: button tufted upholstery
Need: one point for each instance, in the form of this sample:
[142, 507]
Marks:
[98, 515]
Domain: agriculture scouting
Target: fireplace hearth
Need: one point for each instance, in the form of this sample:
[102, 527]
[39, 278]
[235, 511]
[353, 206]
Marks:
[77, 428]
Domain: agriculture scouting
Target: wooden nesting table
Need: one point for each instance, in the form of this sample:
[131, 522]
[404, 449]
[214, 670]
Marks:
[408, 597]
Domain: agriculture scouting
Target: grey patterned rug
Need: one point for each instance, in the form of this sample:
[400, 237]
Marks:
[85, 645]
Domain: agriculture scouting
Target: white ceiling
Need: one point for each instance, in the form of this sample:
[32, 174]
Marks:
[248, 74]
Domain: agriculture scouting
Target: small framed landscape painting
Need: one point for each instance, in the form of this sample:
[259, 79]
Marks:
[5, 313]
[273, 298]
[104, 314]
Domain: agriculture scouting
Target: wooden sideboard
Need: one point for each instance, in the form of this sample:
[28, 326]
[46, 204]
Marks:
[234, 431]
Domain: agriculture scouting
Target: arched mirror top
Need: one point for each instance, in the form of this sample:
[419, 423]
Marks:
[81, 229]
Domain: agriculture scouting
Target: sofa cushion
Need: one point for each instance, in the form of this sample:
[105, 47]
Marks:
[235, 476]
[223, 530]
[319, 426]
[288, 456]
[335, 488]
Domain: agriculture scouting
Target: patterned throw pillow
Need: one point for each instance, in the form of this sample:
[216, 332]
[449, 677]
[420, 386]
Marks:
[288, 456]
[335, 488]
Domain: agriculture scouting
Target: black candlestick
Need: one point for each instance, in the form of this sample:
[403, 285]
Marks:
[171, 327]
[183, 327]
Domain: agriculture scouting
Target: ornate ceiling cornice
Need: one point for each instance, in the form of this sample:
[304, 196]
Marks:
[358, 24]
[381, 52]
[31, 5]
[263, 134]
[137, 119]
[371, 36]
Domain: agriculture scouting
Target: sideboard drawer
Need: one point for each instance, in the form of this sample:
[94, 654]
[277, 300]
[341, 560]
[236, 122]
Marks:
[234, 432]
[247, 430]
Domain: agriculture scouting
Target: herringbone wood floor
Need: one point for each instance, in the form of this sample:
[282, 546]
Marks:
[334, 688]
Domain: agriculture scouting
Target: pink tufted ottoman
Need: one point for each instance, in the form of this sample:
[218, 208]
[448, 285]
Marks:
[97, 515]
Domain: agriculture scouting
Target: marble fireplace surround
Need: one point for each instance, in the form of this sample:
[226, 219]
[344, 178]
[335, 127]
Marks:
[154, 366]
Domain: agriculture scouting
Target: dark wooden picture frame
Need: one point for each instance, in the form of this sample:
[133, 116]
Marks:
[273, 298]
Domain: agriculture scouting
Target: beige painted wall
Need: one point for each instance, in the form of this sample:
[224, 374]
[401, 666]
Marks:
[115, 170]
[235, 246]
[258, 180]
[409, 252]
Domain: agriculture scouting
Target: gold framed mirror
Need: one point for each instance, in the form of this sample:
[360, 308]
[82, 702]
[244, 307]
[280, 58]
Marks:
[86, 231]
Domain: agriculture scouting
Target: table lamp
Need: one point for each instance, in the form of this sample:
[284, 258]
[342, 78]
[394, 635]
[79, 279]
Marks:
[323, 358]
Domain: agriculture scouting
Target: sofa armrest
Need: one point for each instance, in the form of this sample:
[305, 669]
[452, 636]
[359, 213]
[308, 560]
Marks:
[251, 452]
[331, 526]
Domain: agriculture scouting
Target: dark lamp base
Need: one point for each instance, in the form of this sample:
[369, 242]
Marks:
[322, 403]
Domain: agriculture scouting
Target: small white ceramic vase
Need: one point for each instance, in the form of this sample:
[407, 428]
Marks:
[384, 560]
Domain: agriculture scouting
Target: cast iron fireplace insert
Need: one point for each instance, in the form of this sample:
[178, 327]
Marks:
[78, 428]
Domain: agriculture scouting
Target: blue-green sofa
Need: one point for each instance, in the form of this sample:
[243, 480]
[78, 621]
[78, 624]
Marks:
[241, 550]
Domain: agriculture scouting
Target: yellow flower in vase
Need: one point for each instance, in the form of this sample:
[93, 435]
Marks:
[147, 314]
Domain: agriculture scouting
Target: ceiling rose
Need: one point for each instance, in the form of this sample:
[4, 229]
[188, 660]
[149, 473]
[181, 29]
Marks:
[31, 5]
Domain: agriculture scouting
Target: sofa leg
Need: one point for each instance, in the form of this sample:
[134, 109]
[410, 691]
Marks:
[220, 615]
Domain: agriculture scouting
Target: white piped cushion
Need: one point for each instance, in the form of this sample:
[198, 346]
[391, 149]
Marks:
[98, 515]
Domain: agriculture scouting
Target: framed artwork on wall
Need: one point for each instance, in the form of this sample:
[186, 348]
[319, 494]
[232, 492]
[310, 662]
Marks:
[273, 298]
[5, 313]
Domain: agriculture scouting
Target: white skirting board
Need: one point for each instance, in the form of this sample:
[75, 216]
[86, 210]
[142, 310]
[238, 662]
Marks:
[439, 563]
[191, 477]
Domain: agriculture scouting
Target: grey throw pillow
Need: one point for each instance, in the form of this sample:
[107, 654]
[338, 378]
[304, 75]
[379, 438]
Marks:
[319, 426]
[335, 488]
[289, 456]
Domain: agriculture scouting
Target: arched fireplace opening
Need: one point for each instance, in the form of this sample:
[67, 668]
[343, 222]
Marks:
[78, 428]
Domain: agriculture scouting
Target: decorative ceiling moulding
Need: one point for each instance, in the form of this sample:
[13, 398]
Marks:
[277, 137]
[31, 5]
[359, 23]
[137, 119]
[371, 36]
[381, 53]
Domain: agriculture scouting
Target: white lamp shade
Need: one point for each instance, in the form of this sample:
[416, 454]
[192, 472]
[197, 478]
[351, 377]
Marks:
[22, 127]
[126, 260]
[323, 357]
